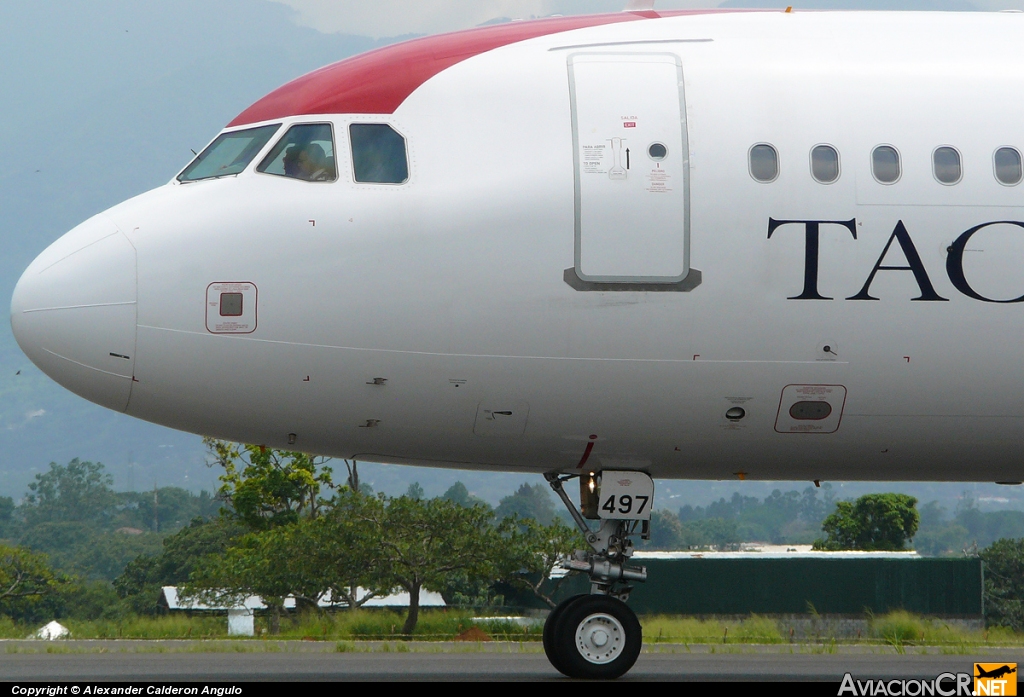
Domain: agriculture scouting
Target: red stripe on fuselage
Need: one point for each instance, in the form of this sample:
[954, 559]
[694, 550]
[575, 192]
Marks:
[377, 82]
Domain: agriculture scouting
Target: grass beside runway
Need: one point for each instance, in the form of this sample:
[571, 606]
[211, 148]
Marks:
[899, 631]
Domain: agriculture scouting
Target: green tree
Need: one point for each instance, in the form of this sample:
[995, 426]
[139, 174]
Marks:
[375, 542]
[345, 552]
[59, 541]
[143, 577]
[667, 532]
[459, 494]
[528, 502]
[531, 551]
[166, 509]
[29, 588]
[936, 534]
[780, 517]
[80, 492]
[872, 522]
[352, 479]
[267, 487]
[711, 532]
[812, 509]
[427, 544]
[107, 556]
[984, 528]
[91, 600]
[257, 564]
[1004, 583]
[82, 550]
[8, 524]
[330, 556]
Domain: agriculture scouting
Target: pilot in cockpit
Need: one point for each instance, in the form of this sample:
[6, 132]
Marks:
[306, 161]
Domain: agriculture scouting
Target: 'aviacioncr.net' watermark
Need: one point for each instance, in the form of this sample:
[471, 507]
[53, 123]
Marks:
[989, 679]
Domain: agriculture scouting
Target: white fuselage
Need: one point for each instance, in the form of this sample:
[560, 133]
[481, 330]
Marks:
[453, 289]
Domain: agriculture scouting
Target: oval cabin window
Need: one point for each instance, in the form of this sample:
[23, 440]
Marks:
[946, 165]
[885, 164]
[764, 163]
[825, 164]
[1007, 165]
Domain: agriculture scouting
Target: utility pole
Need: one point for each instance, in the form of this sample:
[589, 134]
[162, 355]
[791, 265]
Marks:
[156, 509]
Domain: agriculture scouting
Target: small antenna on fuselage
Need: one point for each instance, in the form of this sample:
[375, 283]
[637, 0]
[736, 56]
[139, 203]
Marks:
[638, 5]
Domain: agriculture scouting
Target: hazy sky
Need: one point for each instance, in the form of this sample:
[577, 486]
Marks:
[396, 17]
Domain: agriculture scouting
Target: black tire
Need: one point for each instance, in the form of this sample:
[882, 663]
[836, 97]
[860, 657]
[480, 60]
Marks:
[597, 638]
[550, 645]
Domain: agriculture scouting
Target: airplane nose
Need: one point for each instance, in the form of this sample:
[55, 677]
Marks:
[74, 312]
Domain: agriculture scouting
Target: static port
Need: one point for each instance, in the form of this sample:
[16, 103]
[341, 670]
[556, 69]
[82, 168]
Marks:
[735, 413]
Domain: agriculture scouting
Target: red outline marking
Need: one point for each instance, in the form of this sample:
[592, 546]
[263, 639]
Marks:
[842, 407]
[255, 309]
[377, 82]
[586, 455]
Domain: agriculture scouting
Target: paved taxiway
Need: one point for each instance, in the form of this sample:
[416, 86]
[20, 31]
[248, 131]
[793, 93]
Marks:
[257, 661]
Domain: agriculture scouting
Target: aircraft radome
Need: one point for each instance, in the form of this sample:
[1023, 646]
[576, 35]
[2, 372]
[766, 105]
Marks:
[695, 245]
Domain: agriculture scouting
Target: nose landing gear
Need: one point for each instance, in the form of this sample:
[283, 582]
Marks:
[598, 636]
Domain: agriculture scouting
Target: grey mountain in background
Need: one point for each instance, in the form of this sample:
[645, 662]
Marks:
[102, 101]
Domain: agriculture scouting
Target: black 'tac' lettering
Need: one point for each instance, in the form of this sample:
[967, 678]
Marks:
[811, 251]
[901, 235]
[955, 263]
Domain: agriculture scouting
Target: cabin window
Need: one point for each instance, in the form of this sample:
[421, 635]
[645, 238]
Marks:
[824, 164]
[885, 164]
[229, 154]
[306, 152]
[764, 163]
[1007, 165]
[946, 165]
[378, 154]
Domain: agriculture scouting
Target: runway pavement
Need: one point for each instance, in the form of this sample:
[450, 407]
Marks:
[246, 662]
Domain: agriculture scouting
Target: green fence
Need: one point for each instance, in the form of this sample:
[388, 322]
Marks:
[942, 587]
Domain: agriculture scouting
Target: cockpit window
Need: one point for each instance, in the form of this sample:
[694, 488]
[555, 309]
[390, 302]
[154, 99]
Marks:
[378, 154]
[305, 152]
[229, 154]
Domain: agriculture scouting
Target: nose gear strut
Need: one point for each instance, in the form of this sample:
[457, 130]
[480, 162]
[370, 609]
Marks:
[610, 548]
[597, 635]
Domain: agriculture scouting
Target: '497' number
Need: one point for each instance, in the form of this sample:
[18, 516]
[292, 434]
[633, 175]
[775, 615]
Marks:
[625, 504]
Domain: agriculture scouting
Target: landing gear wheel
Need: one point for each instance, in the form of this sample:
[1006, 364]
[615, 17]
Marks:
[550, 645]
[596, 637]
